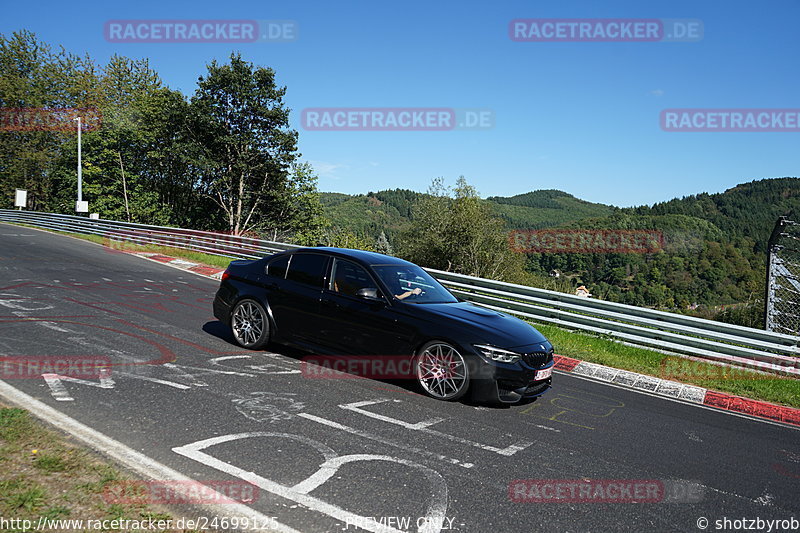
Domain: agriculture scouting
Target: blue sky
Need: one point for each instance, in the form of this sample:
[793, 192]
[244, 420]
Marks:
[578, 116]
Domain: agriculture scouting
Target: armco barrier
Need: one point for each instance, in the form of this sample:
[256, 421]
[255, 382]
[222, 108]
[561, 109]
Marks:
[120, 233]
[671, 332]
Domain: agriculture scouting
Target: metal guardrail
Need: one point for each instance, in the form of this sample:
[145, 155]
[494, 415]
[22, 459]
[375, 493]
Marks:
[119, 233]
[680, 334]
[671, 332]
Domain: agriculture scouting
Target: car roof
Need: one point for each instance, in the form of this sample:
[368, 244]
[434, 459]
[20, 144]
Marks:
[369, 258]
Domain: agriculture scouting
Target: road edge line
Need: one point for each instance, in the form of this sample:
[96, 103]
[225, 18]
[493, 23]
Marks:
[134, 461]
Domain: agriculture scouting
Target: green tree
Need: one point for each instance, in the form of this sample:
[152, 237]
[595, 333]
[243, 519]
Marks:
[36, 77]
[247, 149]
[382, 244]
[456, 231]
[295, 212]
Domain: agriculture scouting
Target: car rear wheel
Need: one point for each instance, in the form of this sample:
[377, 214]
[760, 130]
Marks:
[441, 371]
[250, 324]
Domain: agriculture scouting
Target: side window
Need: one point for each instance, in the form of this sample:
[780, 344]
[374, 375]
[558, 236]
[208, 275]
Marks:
[348, 277]
[277, 267]
[307, 268]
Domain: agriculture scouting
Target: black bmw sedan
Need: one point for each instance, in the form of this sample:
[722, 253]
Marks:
[351, 303]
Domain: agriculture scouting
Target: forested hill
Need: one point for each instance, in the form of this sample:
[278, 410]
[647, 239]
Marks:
[713, 252]
[747, 210]
[389, 210]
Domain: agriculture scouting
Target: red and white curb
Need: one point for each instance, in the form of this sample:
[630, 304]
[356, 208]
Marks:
[642, 382]
[680, 391]
[203, 270]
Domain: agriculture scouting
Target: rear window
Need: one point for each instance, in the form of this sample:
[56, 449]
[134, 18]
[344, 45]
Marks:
[277, 267]
[307, 268]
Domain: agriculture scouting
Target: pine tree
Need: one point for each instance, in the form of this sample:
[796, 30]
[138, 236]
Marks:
[382, 245]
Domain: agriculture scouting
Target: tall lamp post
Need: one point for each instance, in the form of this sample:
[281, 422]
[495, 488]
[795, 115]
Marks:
[80, 206]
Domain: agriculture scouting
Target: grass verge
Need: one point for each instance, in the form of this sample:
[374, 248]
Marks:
[42, 474]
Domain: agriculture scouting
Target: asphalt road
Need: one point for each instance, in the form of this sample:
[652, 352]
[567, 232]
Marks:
[391, 453]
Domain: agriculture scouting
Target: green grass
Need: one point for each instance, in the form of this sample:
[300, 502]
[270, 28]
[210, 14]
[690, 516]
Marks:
[604, 351]
[51, 463]
[43, 474]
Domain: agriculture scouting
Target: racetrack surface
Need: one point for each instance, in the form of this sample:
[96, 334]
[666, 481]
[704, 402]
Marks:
[178, 379]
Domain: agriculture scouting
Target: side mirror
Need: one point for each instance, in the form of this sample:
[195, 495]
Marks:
[369, 293]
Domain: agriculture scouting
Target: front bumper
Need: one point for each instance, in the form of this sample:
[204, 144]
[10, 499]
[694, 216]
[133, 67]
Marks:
[509, 383]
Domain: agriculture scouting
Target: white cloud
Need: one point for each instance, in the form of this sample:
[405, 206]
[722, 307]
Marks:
[328, 170]
[657, 92]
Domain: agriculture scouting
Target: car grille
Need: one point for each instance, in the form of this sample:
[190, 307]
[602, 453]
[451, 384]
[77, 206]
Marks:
[537, 359]
[537, 388]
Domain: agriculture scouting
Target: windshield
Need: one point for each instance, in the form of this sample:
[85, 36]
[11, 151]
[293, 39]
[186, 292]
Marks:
[411, 284]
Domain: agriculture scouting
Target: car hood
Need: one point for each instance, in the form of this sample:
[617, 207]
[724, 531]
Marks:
[486, 325]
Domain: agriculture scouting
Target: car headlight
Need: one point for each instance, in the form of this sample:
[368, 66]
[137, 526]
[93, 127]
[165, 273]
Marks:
[498, 354]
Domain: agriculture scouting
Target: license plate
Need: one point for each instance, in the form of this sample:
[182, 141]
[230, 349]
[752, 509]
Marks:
[543, 374]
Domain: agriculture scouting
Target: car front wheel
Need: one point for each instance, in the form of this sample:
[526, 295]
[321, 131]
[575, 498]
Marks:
[442, 371]
[250, 325]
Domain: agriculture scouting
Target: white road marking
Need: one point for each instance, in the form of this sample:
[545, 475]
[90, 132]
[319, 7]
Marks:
[155, 380]
[260, 369]
[44, 323]
[765, 499]
[414, 427]
[59, 391]
[546, 427]
[507, 451]
[12, 302]
[367, 435]
[52, 326]
[185, 375]
[202, 371]
[261, 406]
[135, 461]
[299, 492]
